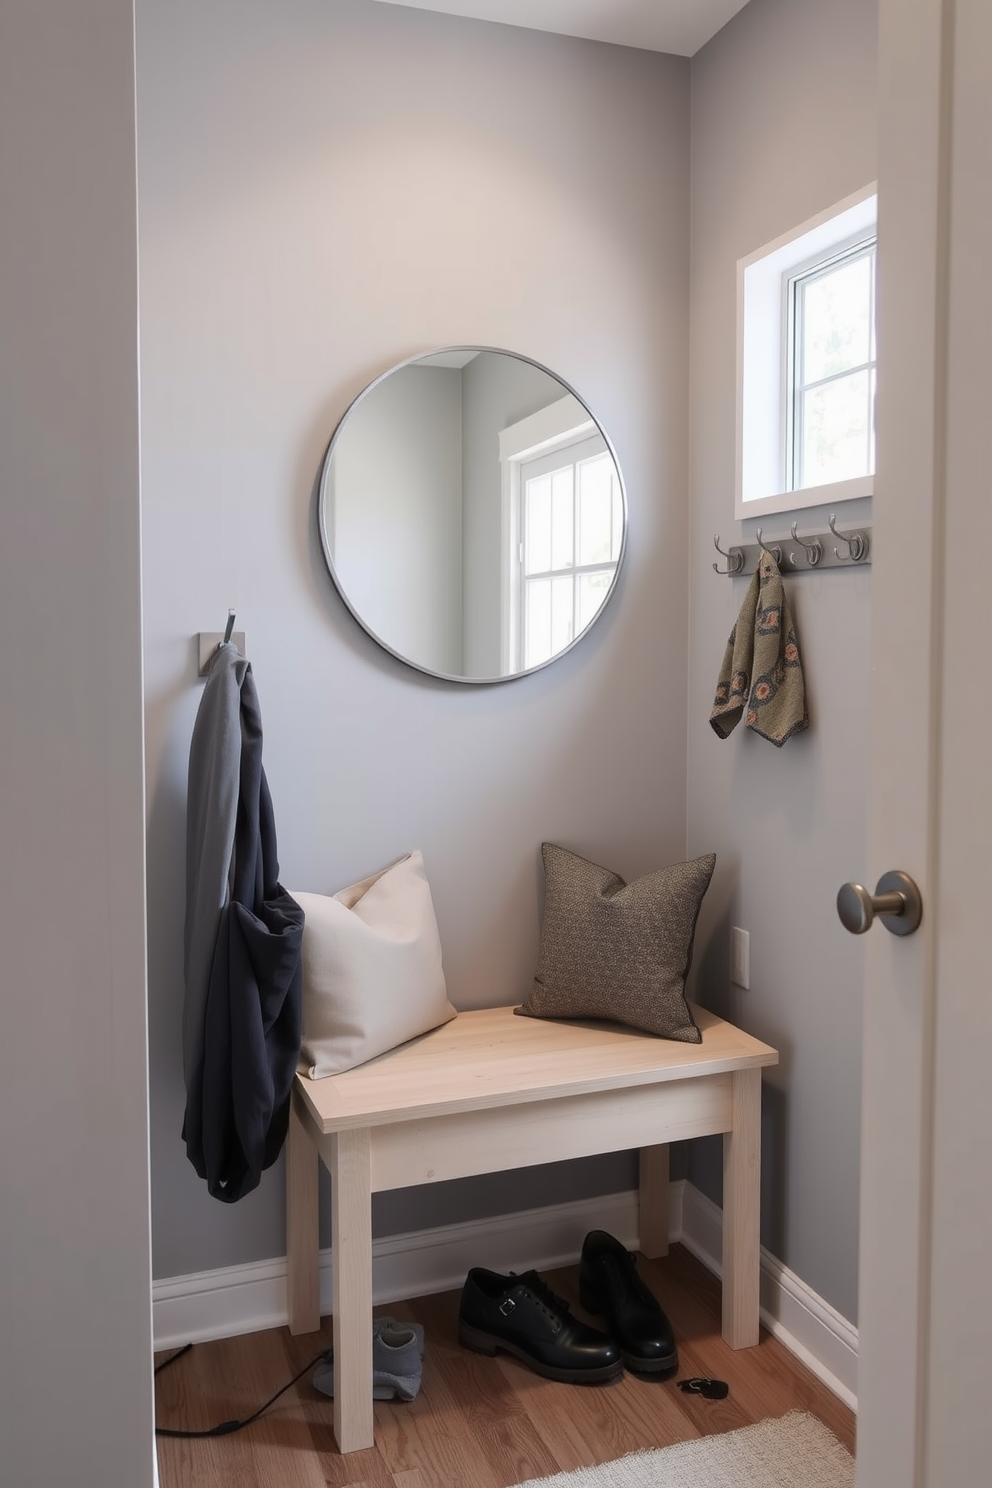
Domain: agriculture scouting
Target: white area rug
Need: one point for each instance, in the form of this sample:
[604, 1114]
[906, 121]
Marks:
[796, 1451]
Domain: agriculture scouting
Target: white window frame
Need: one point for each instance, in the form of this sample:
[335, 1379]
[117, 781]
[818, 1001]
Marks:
[763, 477]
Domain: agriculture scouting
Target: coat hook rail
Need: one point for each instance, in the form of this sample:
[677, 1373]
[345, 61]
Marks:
[817, 551]
[209, 640]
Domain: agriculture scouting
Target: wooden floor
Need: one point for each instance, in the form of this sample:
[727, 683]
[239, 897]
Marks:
[477, 1422]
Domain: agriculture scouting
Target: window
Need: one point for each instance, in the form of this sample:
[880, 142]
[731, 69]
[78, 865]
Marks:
[831, 374]
[563, 530]
[571, 522]
[806, 364]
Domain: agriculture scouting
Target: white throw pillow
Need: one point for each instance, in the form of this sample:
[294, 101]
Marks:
[372, 975]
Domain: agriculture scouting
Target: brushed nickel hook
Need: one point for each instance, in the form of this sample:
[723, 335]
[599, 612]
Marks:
[813, 550]
[775, 552]
[857, 542]
[735, 558]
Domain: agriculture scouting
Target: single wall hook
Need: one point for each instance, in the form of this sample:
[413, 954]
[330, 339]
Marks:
[775, 552]
[857, 542]
[208, 642]
[813, 550]
[735, 558]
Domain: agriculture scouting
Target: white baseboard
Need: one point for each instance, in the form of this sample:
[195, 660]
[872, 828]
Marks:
[245, 1299]
[791, 1311]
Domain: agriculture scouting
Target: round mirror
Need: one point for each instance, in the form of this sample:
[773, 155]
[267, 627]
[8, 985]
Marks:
[472, 514]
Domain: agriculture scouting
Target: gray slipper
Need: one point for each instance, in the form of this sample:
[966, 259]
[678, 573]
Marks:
[397, 1352]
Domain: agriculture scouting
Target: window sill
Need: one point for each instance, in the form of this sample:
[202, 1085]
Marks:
[790, 501]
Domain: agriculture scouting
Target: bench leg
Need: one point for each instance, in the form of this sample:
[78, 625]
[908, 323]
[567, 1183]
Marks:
[741, 1212]
[652, 1224]
[302, 1225]
[351, 1255]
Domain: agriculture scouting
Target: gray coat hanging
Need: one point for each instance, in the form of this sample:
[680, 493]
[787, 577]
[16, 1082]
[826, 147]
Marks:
[243, 934]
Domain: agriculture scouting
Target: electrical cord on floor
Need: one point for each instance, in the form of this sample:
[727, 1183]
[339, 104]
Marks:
[225, 1428]
[172, 1358]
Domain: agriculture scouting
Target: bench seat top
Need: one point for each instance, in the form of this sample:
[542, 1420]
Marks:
[492, 1057]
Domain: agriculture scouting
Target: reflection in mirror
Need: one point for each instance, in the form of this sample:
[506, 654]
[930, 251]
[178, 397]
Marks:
[472, 514]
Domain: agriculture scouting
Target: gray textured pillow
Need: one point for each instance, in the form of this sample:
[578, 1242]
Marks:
[610, 949]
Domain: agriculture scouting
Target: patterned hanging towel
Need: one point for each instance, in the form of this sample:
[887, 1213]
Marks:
[761, 677]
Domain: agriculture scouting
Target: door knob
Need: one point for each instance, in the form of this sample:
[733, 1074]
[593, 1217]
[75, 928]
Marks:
[896, 901]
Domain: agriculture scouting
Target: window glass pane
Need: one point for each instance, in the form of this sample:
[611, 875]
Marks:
[562, 517]
[596, 522]
[537, 508]
[537, 622]
[593, 589]
[836, 424]
[836, 320]
[562, 590]
[548, 619]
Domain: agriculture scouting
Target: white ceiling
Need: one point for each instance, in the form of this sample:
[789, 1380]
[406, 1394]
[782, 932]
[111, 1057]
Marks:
[678, 26]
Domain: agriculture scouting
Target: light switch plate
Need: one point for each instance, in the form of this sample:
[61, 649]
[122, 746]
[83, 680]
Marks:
[740, 957]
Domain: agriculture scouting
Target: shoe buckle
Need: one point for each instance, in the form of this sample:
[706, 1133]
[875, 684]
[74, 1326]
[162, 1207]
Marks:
[507, 1306]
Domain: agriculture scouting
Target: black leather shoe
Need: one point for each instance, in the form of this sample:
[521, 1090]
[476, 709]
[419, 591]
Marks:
[522, 1315]
[609, 1284]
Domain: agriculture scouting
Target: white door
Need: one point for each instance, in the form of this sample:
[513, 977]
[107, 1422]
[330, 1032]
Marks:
[925, 1324]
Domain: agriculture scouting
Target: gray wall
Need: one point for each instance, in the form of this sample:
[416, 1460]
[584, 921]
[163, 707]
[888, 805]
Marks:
[342, 186]
[75, 1318]
[783, 125]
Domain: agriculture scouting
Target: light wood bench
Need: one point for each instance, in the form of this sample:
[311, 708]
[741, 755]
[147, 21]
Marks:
[491, 1091]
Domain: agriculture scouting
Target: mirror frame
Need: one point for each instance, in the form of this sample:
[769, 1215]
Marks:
[325, 545]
